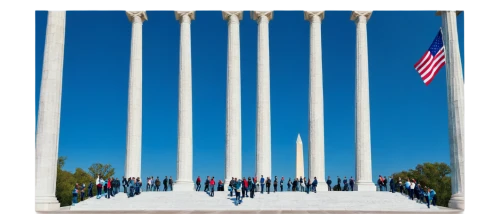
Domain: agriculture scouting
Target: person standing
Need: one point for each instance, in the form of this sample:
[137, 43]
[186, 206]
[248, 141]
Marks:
[289, 184]
[99, 189]
[338, 183]
[171, 183]
[315, 184]
[294, 184]
[75, 195]
[384, 183]
[281, 183]
[131, 184]
[351, 183]
[391, 183]
[268, 185]
[108, 187]
[198, 183]
[329, 183]
[345, 184]
[412, 188]
[90, 194]
[231, 186]
[238, 192]
[82, 192]
[212, 185]
[275, 184]
[157, 183]
[308, 186]
[261, 184]
[165, 184]
[251, 186]
[300, 184]
[124, 184]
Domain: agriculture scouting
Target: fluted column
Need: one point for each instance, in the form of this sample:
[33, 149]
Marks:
[134, 121]
[316, 116]
[49, 114]
[263, 138]
[455, 89]
[185, 121]
[362, 124]
[233, 99]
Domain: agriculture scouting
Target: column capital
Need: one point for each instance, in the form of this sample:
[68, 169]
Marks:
[441, 10]
[255, 15]
[308, 15]
[356, 14]
[141, 14]
[180, 14]
[227, 14]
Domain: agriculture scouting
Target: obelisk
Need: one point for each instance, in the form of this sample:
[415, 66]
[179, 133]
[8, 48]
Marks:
[233, 97]
[49, 114]
[299, 160]
[362, 113]
[134, 120]
[316, 116]
[455, 91]
[263, 137]
[184, 180]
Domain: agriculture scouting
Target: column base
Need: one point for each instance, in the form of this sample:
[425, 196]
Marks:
[47, 203]
[457, 201]
[322, 186]
[365, 186]
[184, 186]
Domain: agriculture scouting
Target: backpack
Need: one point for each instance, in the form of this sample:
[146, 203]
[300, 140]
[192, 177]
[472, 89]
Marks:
[275, 182]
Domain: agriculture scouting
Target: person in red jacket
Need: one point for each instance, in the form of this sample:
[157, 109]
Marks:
[245, 188]
[212, 184]
[109, 187]
[198, 183]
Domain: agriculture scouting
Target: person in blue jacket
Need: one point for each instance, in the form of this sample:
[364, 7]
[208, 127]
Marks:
[238, 191]
[262, 184]
[431, 195]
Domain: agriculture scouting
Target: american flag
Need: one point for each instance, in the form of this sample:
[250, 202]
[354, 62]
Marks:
[433, 60]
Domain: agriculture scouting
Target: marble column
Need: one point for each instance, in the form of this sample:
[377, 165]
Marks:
[299, 160]
[263, 138]
[134, 121]
[455, 89]
[316, 116]
[49, 114]
[362, 114]
[233, 99]
[185, 119]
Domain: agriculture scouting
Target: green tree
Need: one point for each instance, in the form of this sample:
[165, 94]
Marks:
[432, 175]
[66, 181]
[105, 171]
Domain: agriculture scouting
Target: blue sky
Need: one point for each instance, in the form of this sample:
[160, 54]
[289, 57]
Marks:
[405, 114]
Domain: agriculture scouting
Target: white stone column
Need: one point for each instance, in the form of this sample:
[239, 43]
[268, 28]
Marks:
[316, 116]
[134, 121]
[299, 160]
[455, 88]
[263, 138]
[185, 119]
[362, 114]
[49, 114]
[233, 99]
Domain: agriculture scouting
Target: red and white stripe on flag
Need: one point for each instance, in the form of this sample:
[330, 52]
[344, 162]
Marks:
[432, 61]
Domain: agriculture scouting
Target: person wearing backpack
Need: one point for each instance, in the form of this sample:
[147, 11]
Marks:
[157, 183]
[75, 195]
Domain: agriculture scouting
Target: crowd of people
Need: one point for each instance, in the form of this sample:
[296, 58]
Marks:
[242, 187]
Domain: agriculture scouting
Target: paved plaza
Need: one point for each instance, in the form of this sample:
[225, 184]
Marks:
[283, 202]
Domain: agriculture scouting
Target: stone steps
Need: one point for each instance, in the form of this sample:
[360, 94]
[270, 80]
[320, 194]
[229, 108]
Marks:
[281, 201]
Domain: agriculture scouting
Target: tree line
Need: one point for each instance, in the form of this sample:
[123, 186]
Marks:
[66, 180]
[433, 175]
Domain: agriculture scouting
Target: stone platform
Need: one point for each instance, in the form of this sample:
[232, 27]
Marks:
[281, 202]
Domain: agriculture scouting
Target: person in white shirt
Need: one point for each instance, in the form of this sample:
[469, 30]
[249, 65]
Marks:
[412, 187]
